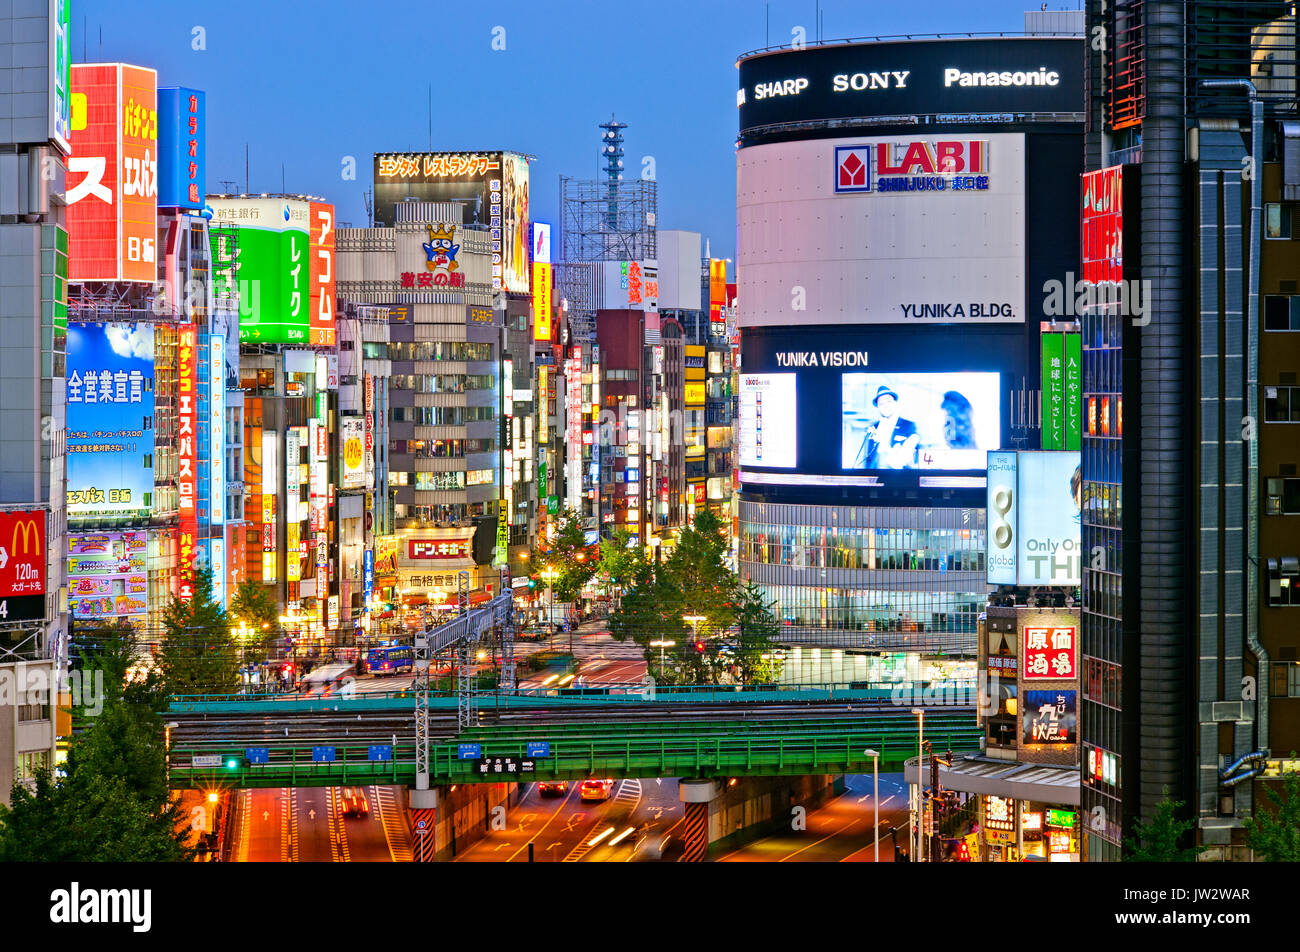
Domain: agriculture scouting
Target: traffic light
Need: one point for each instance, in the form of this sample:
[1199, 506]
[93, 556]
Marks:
[532, 584]
[699, 646]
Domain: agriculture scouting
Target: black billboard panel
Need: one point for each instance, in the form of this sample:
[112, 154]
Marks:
[958, 79]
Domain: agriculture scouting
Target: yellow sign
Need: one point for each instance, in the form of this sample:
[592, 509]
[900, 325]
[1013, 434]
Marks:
[541, 301]
[694, 393]
[293, 559]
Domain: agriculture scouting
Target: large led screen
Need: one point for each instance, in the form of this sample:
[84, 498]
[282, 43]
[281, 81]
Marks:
[768, 420]
[946, 421]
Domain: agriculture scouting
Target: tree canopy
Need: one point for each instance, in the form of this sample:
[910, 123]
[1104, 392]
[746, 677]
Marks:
[1274, 831]
[198, 654]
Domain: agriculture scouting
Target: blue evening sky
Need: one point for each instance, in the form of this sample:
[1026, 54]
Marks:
[307, 83]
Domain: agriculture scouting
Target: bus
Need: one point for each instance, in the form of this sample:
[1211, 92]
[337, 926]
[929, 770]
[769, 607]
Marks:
[328, 680]
[390, 659]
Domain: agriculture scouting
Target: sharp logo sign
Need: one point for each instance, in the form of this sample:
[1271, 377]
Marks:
[912, 166]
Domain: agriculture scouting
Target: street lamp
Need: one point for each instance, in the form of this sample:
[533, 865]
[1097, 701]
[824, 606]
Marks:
[875, 792]
[920, 790]
[661, 645]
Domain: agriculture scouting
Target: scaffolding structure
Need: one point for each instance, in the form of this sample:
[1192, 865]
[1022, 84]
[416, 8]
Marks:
[602, 220]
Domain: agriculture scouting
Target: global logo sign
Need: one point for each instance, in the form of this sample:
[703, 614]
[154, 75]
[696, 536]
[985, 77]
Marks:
[853, 168]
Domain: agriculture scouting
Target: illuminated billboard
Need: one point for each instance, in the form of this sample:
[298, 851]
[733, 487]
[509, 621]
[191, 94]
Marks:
[107, 574]
[541, 301]
[494, 186]
[1049, 717]
[22, 570]
[768, 421]
[891, 407]
[284, 267]
[1033, 518]
[182, 148]
[353, 436]
[187, 478]
[915, 229]
[110, 409]
[112, 184]
[919, 420]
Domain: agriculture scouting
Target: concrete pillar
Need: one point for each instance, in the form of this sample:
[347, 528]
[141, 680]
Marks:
[696, 795]
[424, 823]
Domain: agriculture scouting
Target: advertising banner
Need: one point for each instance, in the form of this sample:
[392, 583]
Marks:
[496, 184]
[284, 268]
[919, 421]
[1003, 506]
[107, 574]
[767, 420]
[1034, 518]
[321, 310]
[1073, 392]
[110, 409]
[907, 229]
[182, 147]
[270, 471]
[1053, 382]
[353, 437]
[1050, 652]
[112, 183]
[22, 568]
[1049, 718]
[541, 301]
[187, 477]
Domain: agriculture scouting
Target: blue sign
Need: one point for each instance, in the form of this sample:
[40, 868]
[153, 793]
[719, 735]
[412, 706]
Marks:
[469, 751]
[539, 748]
[110, 409]
[322, 755]
[381, 751]
[369, 563]
[182, 145]
[257, 755]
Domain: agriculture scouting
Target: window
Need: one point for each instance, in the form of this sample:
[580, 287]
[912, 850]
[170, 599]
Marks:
[1286, 679]
[1283, 497]
[1284, 582]
[1281, 312]
[34, 712]
[1277, 220]
[28, 763]
[1282, 404]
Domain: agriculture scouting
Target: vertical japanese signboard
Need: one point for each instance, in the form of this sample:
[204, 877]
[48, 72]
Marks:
[112, 184]
[187, 402]
[370, 430]
[1073, 391]
[321, 320]
[353, 436]
[110, 409]
[270, 469]
[217, 465]
[1053, 354]
[182, 148]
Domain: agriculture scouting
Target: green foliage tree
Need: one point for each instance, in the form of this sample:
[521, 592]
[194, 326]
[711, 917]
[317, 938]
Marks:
[695, 582]
[88, 817]
[1274, 831]
[756, 629]
[620, 559]
[114, 658]
[1161, 839]
[569, 556]
[198, 655]
[254, 607]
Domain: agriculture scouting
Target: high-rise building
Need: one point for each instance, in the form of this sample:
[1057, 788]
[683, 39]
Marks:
[1191, 690]
[898, 215]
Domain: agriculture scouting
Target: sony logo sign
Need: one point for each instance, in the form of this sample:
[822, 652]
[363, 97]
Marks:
[842, 82]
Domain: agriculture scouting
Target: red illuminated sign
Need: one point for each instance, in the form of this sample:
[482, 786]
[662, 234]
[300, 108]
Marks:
[321, 294]
[1050, 654]
[438, 548]
[945, 157]
[22, 542]
[112, 187]
[188, 456]
[1101, 226]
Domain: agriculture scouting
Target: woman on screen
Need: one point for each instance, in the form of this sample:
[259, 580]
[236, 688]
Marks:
[958, 425]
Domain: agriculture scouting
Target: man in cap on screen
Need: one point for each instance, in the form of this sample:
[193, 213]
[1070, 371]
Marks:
[891, 442]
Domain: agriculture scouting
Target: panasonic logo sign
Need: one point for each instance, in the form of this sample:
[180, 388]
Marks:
[842, 82]
[1043, 77]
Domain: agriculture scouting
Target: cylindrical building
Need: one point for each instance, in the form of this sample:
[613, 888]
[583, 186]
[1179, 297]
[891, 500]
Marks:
[903, 210]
